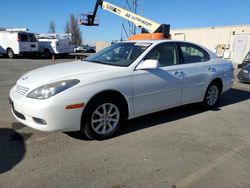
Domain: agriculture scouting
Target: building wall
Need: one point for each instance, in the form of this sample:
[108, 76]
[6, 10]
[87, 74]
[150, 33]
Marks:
[230, 42]
[101, 45]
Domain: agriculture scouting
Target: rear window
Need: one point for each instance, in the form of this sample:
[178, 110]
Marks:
[23, 37]
[193, 54]
[32, 38]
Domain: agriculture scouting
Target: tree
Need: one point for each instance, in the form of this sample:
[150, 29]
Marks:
[73, 28]
[67, 27]
[52, 27]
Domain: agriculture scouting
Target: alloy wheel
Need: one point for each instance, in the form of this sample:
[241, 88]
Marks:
[212, 95]
[105, 118]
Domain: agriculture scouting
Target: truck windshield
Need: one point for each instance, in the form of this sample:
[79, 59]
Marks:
[120, 54]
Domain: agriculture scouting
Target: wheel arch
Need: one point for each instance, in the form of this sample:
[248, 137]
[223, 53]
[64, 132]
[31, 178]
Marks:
[7, 51]
[108, 93]
[9, 48]
[217, 80]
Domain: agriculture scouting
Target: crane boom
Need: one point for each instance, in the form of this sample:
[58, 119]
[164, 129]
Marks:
[139, 21]
[151, 29]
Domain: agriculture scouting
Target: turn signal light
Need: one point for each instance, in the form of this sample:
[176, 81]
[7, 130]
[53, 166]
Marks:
[74, 106]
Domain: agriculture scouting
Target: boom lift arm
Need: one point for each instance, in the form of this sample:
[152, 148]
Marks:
[150, 29]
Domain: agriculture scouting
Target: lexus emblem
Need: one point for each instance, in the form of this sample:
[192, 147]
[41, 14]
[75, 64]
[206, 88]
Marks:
[25, 78]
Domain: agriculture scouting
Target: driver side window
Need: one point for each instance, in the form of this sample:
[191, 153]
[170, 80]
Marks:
[165, 53]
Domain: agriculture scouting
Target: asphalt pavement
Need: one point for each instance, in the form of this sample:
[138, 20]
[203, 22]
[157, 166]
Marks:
[181, 147]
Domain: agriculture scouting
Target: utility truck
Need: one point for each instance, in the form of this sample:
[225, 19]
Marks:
[55, 44]
[18, 42]
[150, 29]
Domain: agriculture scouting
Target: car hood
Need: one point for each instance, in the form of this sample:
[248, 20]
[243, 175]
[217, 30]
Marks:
[63, 71]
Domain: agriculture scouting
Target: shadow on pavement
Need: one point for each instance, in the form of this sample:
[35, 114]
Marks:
[12, 149]
[233, 96]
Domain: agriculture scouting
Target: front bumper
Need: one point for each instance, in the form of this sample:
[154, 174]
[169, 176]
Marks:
[244, 76]
[28, 111]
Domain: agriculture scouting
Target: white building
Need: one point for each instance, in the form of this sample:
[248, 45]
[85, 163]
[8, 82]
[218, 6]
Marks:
[229, 42]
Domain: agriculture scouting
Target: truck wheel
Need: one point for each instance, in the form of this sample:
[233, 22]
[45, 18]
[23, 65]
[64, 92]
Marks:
[10, 53]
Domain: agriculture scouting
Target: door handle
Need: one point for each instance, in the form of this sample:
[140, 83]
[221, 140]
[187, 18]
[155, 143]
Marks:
[212, 69]
[179, 73]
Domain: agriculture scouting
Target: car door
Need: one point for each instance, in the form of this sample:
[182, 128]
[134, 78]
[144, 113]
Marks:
[197, 70]
[160, 88]
[24, 42]
[33, 42]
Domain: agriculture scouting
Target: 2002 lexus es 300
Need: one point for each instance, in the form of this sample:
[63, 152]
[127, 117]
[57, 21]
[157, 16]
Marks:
[123, 81]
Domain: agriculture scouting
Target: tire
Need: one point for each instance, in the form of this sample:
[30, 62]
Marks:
[47, 53]
[239, 76]
[212, 95]
[98, 125]
[10, 53]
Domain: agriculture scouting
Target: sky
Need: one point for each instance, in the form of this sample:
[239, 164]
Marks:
[36, 15]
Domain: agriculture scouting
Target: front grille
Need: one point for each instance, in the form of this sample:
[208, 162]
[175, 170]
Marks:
[22, 90]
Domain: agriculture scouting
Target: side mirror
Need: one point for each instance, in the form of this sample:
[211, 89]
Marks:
[148, 64]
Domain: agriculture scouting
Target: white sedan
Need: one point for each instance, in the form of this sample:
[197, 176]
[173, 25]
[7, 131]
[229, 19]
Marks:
[123, 81]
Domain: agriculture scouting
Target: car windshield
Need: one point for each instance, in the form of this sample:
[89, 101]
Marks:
[120, 54]
[247, 57]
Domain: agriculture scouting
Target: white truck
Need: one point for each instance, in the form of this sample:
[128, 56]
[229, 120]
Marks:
[18, 42]
[55, 44]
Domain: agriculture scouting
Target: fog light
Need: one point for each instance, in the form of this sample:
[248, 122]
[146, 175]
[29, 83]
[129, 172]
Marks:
[40, 121]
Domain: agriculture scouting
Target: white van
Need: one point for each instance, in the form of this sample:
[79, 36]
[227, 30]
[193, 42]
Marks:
[55, 43]
[18, 42]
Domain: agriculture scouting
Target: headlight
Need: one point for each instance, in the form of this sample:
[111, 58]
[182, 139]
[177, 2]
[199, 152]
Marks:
[245, 71]
[49, 90]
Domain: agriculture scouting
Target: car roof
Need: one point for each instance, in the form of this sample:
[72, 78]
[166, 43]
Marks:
[155, 42]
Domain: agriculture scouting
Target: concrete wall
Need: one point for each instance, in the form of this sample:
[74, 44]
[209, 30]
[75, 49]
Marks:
[232, 42]
[101, 44]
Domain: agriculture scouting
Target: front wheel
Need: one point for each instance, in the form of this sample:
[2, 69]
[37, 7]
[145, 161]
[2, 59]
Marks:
[103, 118]
[212, 95]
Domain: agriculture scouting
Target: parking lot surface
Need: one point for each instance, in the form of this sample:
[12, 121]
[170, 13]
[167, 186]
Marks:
[181, 147]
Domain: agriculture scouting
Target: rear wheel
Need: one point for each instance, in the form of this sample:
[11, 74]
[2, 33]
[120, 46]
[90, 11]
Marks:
[212, 95]
[103, 118]
[10, 53]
